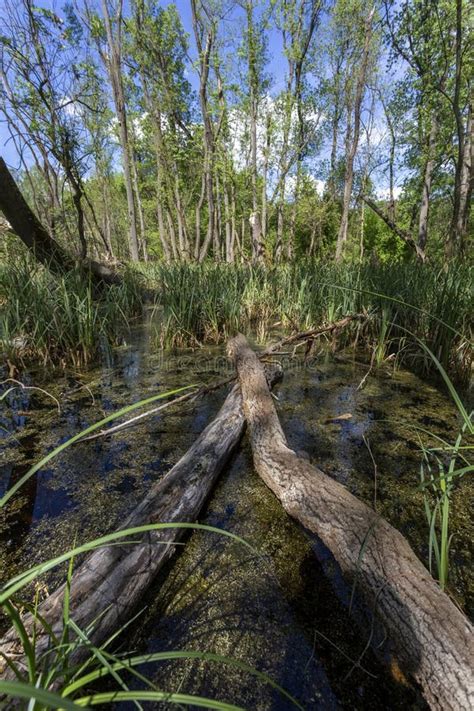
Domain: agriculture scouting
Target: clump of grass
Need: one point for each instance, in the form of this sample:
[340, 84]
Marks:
[439, 471]
[57, 319]
[207, 303]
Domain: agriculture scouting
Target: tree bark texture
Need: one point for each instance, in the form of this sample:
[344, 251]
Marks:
[32, 233]
[432, 639]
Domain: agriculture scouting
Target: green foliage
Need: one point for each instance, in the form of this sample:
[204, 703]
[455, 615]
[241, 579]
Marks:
[58, 320]
[439, 472]
[210, 302]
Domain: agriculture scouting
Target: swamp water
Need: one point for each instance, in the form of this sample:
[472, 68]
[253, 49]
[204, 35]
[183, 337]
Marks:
[283, 611]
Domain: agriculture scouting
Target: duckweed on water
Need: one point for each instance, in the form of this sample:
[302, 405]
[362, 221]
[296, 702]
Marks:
[276, 612]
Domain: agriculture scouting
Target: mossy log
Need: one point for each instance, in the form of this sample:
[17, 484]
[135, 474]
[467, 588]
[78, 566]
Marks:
[432, 640]
[110, 582]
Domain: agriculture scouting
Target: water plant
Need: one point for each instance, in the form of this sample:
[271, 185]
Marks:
[58, 320]
[439, 471]
[206, 303]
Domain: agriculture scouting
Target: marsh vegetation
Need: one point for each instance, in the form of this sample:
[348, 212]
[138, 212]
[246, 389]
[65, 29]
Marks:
[297, 171]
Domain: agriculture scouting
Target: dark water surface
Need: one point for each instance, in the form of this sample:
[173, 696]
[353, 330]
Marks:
[283, 610]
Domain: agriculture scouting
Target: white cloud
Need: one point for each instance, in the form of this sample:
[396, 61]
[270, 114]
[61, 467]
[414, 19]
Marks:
[384, 193]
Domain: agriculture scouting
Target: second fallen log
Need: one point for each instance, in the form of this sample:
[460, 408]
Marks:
[111, 580]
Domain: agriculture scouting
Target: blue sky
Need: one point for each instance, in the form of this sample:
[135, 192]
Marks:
[275, 68]
[230, 34]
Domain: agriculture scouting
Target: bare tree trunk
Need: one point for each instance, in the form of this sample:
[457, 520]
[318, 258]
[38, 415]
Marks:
[456, 237]
[332, 163]
[290, 247]
[106, 228]
[218, 221]
[235, 234]
[391, 162]
[113, 63]
[278, 250]
[463, 192]
[266, 156]
[242, 240]
[426, 192]
[200, 203]
[138, 202]
[172, 232]
[229, 246]
[32, 233]
[467, 178]
[352, 138]
[204, 50]
[77, 201]
[312, 240]
[433, 640]
[258, 250]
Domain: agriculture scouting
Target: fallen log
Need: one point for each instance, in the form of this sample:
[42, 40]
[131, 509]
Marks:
[295, 338]
[46, 250]
[111, 580]
[432, 639]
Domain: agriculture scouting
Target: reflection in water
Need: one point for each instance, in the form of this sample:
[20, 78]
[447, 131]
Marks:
[18, 525]
[284, 611]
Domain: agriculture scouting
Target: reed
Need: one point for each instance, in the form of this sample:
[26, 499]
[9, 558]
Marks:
[439, 471]
[59, 320]
[207, 303]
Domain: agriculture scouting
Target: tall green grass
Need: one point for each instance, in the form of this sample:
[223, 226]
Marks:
[57, 319]
[207, 303]
[439, 471]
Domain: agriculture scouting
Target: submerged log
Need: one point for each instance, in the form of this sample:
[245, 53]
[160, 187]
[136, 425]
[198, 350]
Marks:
[432, 639]
[109, 583]
[29, 229]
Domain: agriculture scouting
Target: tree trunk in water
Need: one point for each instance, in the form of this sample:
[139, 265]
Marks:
[433, 640]
[32, 233]
[111, 580]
